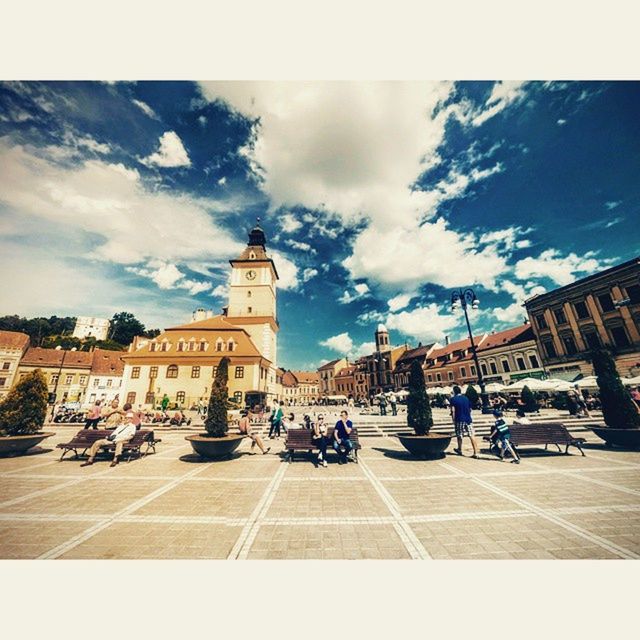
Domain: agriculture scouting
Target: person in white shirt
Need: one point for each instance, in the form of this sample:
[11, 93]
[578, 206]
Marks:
[120, 435]
[289, 422]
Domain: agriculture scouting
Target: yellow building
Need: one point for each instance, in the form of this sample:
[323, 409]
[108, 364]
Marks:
[181, 361]
[13, 345]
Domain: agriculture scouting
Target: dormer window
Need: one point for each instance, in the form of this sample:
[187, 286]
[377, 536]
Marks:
[248, 294]
[181, 345]
[231, 345]
[192, 345]
[203, 345]
[153, 346]
[252, 256]
[219, 344]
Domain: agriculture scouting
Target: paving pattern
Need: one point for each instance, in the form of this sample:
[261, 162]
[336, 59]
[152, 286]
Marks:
[390, 506]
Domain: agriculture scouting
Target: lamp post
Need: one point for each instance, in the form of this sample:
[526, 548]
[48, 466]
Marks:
[463, 298]
[55, 388]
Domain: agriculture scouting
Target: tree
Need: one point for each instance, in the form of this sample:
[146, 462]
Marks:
[125, 327]
[217, 421]
[529, 399]
[473, 396]
[618, 408]
[24, 408]
[418, 408]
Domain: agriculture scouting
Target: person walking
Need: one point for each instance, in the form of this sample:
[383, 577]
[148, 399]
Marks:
[393, 401]
[120, 436]
[164, 403]
[276, 422]
[320, 439]
[383, 405]
[341, 434]
[244, 426]
[461, 415]
[93, 416]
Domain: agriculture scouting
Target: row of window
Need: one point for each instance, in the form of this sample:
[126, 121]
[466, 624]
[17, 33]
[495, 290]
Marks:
[618, 336]
[108, 383]
[192, 345]
[68, 379]
[181, 396]
[605, 302]
[173, 370]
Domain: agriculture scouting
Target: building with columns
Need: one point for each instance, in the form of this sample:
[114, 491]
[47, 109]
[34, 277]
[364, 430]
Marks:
[181, 362]
[600, 310]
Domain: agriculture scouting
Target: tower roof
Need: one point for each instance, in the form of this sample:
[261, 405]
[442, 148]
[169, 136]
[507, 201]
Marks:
[381, 329]
[256, 236]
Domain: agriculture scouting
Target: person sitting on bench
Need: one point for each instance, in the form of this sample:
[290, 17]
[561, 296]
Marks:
[119, 436]
[341, 435]
[320, 439]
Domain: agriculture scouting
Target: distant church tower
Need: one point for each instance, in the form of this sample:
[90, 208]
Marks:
[382, 339]
[252, 296]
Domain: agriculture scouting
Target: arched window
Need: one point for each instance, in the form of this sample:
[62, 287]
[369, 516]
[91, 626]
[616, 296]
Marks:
[248, 294]
[172, 371]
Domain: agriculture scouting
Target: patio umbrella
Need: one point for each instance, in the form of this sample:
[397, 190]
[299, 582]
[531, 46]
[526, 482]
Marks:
[590, 382]
[631, 381]
[560, 385]
[493, 387]
[533, 383]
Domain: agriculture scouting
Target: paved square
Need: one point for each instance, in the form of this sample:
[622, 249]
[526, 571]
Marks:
[390, 506]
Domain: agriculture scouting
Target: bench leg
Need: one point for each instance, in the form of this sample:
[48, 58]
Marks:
[575, 444]
[290, 456]
[559, 447]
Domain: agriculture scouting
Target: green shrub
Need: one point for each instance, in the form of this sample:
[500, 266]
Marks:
[529, 400]
[618, 408]
[473, 396]
[217, 422]
[419, 416]
[24, 409]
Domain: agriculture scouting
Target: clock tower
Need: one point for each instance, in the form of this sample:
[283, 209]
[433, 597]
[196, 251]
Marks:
[252, 296]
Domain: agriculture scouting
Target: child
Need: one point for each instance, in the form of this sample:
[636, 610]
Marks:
[502, 434]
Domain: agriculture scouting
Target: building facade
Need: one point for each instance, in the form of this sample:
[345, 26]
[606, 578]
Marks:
[67, 372]
[402, 370]
[105, 377]
[327, 373]
[88, 327]
[13, 346]
[599, 310]
[345, 381]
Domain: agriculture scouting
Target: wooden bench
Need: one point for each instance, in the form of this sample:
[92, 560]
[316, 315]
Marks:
[302, 440]
[545, 433]
[82, 441]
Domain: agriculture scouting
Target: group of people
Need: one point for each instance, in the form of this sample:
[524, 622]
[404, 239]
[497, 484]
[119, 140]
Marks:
[340, 439]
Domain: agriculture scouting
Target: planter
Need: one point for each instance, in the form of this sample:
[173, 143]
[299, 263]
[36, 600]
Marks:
[628, 438]
[207, 447]
[431, 446]
[17, 445]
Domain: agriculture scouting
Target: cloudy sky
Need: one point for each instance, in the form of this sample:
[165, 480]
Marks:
[377, 199]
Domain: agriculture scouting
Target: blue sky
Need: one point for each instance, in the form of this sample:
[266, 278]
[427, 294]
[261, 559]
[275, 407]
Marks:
[377, 199]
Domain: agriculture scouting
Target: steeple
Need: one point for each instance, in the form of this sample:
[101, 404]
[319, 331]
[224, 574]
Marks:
[256, 236]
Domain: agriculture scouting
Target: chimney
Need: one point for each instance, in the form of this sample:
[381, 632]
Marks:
[446, 340]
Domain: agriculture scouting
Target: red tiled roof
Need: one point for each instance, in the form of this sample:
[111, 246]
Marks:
[520, 333]
[37, 356]
[13, 340]
[107, 363]
[307, 377]
[330, 365]
[346, 371]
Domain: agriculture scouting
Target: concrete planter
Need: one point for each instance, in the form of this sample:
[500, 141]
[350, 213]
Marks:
[431, 447]
[207, 447]
[627, 438]
[17, 445]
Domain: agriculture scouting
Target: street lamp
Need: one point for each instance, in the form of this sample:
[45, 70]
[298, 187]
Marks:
[463, 298]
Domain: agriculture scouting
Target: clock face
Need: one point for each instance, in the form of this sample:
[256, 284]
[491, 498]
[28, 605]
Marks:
[251, 274]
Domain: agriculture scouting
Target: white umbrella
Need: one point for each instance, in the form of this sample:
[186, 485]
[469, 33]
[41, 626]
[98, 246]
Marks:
[533, 383]
[494, 387]
[590, 382]
[402, 393]
[560, 385]
[631, 381]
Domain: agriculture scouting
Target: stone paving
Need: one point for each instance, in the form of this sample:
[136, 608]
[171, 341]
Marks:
[390, 506]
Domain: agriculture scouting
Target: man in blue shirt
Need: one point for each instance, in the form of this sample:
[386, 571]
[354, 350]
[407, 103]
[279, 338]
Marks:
[461, 415]
[341, 435]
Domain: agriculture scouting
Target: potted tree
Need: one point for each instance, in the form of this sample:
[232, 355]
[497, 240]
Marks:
[22, 414]
[216, 442]
[620, 412]
[421, 443]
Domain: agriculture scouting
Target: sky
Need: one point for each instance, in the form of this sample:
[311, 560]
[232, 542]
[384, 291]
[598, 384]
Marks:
[378, 199]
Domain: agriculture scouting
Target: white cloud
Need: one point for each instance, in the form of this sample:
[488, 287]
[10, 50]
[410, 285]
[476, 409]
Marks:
[406, 258]
[613, 204]
[561, 121]
[309, 273]
[221, 291]
[79, 142]
[300, 246]
[171, 152]
[515, 312]
[425, 323]
[287, 271]
[342, 343]
[289, 223]
[502, 95]
[561, 269]
[360, 291]
[127, 223]
[145, 108]
[399, 301]
[167, 276]
[222, 181]
[363, 349]
[370, 317]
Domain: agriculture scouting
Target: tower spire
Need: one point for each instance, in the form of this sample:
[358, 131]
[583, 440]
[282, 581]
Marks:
[256, 236]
